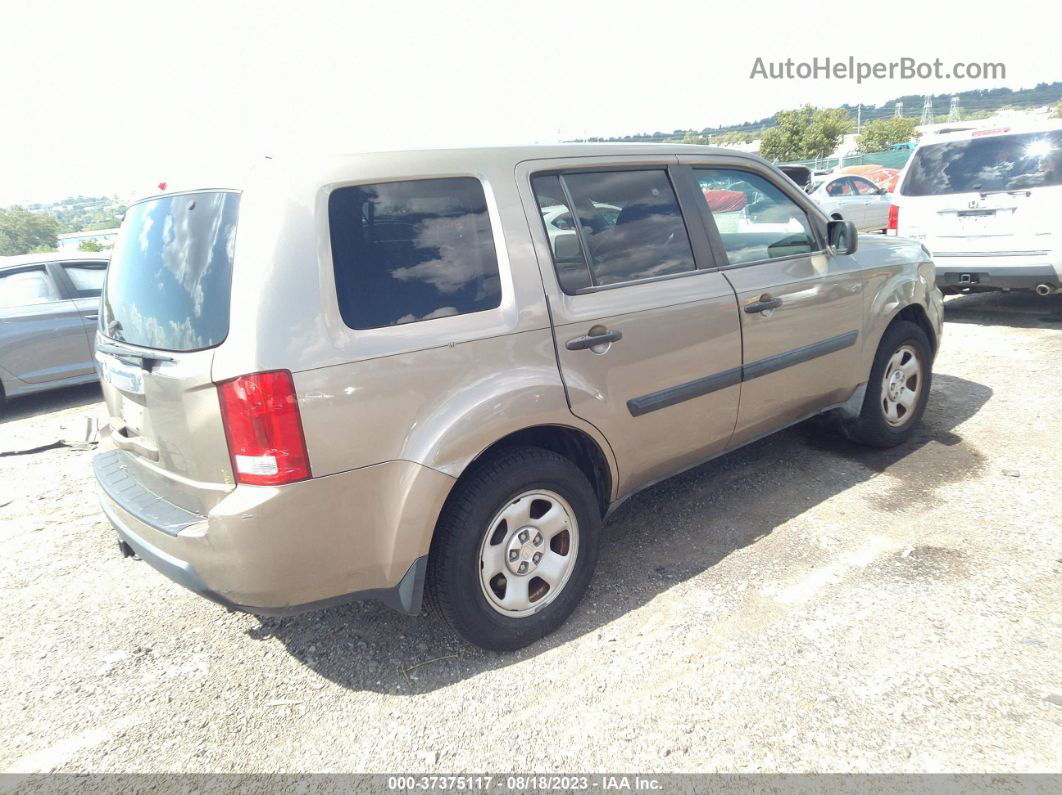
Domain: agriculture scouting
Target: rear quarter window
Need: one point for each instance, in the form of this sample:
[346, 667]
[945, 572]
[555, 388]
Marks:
[404, 252]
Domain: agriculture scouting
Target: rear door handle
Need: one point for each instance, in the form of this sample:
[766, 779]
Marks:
[592, 340]
[764, 304]
[93, 316]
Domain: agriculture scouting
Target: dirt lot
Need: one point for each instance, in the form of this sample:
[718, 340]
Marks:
[800, 605]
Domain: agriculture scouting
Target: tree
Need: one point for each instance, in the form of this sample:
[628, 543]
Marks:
[90, 245]
[22, 231]
[877, 136]
[1058, 111]
[804, 133]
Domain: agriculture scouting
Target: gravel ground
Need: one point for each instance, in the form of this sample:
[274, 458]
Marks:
[801, 605]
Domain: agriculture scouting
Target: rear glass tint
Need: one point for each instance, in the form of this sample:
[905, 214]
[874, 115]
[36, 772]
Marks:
[995, 163]
[170, 275]
[410, 251]
[629, 221]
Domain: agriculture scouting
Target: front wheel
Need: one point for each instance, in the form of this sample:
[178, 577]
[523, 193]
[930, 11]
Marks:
[514, 549]
[898, 388]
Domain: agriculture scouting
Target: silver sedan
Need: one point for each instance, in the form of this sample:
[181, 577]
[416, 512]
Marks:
[48, 309]
[851, 198]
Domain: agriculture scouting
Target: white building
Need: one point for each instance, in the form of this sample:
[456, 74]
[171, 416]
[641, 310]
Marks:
[71, 241]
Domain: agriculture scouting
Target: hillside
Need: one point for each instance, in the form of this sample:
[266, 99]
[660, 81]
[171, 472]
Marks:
[83, 213]
[973, 104]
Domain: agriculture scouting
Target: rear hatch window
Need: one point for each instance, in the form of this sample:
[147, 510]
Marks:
[984, 165]
[170, 276]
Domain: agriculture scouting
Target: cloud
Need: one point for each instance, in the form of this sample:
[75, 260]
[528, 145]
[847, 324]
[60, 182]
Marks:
[443, 311]
[458, 263]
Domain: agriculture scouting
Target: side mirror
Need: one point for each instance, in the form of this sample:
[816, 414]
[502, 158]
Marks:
[882, 191]
[842, 237]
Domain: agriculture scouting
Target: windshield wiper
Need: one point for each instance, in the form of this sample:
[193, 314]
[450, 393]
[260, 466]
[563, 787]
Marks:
[147, 360]
[1011, 191]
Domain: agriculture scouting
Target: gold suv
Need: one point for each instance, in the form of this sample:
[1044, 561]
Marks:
[377, 375]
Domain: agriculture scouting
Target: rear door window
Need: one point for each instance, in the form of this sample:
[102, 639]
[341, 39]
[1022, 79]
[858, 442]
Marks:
[864, 187]
[840, 187]
[629, 226]
[170, 275]
[27, 287]
[410, 251]
[755, 218]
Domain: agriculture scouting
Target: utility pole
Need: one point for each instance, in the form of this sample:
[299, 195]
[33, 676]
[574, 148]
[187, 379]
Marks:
[899, 108]
[859, 118]
[927, 110]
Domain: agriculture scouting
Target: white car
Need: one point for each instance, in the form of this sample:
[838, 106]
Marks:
[847, 197]
[986, 204]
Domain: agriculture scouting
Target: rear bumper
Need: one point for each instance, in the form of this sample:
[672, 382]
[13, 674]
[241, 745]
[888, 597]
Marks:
[357, 535]
[1003, 272]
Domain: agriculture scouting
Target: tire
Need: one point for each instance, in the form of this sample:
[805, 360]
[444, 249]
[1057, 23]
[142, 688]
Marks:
[874, 426]
[474, 535]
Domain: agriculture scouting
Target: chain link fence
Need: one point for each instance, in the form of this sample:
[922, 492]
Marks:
[890, 159]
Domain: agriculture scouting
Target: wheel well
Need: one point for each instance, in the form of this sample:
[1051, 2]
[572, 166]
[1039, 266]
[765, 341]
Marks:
[916, 313]
[574, 445]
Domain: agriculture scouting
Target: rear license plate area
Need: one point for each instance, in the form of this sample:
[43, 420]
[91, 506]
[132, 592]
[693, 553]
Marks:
[124, 377]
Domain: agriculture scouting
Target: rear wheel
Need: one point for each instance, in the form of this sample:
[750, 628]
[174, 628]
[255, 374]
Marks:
[515, 549]
[898, 388]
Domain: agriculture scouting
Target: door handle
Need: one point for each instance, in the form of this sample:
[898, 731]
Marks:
[764, 304]
[93, 316]
[592, 340]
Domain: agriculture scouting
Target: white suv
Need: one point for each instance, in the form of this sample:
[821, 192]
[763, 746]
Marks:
[985, 203]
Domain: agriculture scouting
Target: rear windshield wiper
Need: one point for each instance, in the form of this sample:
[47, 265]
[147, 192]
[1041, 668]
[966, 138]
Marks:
[1011, 191]
[146, 360]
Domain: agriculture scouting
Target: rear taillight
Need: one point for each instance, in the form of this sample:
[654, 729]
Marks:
[894, 218]
[263, 428]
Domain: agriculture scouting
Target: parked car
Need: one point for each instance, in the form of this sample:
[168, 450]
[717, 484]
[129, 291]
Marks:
[48, 308]
[801, 175]
[370, 376]
[852, 198]
[986, 203]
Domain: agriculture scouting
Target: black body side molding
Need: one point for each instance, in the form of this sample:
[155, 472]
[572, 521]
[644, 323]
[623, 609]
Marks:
[772, 364]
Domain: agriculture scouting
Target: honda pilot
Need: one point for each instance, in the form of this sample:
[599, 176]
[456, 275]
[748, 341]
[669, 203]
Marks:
[986, 204]
[432, 375]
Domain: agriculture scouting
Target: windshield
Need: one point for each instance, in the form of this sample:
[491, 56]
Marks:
[979, 165]
[171, 272]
